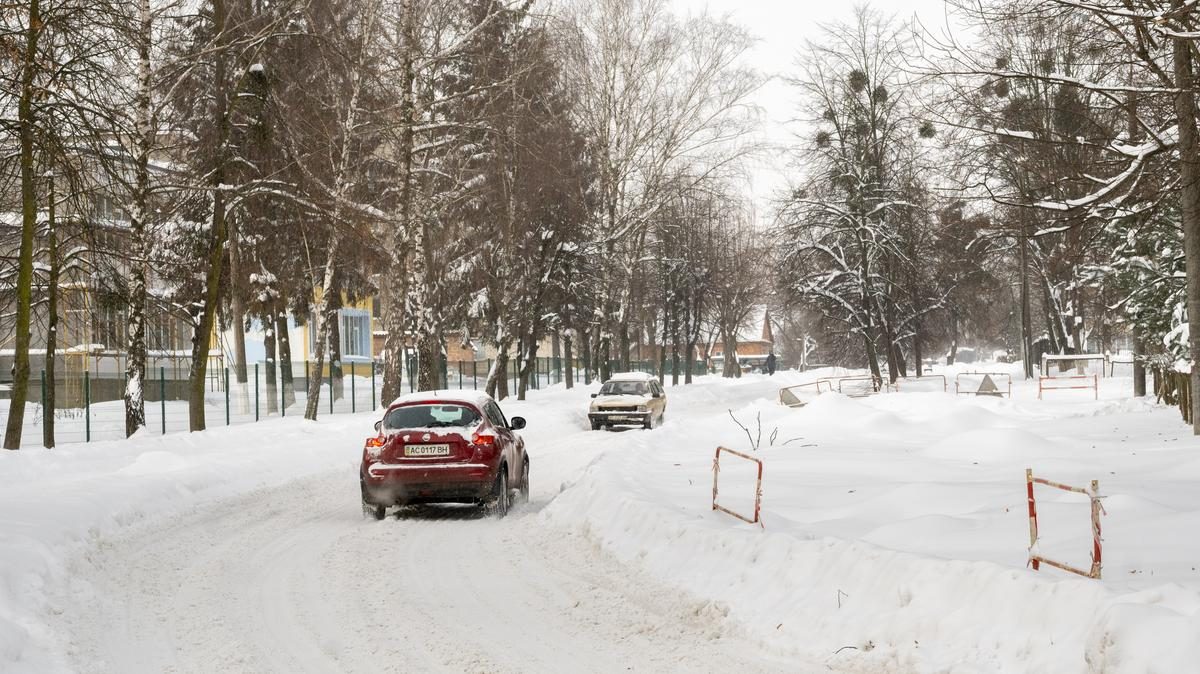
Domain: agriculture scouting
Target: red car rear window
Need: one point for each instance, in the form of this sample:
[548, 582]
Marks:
[441, 415]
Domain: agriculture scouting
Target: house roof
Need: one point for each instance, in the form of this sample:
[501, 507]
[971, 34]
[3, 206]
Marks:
[757, 326]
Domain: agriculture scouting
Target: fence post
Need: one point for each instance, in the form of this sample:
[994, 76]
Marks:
[330, 386]
[474, 374]
[44, 395]
[87, 406]
[353, 406]
[162, 396]
[372, 384]
[283, 388]
[460, 375]
[256, 391]
[226, 396]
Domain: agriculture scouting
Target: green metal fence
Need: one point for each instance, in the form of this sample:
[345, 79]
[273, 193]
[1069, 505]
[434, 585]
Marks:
[91, 407]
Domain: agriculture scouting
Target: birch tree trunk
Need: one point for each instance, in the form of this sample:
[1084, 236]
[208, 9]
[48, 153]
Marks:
[394, 344]
[328, 313]
[135, 367]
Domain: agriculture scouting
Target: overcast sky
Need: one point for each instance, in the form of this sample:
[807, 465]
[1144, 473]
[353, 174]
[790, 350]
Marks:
[781, 27]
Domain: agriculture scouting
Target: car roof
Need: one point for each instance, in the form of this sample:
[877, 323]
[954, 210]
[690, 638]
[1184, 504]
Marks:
[473, 398]
[632, 376]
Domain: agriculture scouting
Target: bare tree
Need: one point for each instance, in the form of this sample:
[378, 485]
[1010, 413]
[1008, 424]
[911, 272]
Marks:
[662, 99]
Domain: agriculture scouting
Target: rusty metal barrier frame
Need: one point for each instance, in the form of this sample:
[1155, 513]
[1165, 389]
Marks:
[828, 389]
[1093, 494]
[876, 385]
[945, 385]
[1095, 379]
[757, 518]
[958, 382]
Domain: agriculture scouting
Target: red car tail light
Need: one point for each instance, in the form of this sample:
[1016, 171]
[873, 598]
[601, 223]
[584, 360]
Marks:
[483, 440]
[376, 441]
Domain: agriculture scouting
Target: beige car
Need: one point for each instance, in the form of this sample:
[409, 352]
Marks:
[628, 399]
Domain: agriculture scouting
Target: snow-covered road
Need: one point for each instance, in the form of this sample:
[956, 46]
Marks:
[292, 579]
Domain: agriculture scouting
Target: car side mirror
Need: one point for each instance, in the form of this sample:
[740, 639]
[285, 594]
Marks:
[378, 425]
[657, 395]
[594, 395]
[516, 423]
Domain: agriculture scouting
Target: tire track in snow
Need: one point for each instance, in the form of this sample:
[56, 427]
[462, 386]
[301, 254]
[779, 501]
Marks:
[291, 579]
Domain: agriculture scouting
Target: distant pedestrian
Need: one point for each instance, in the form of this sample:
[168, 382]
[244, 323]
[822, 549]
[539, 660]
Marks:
[771, 363]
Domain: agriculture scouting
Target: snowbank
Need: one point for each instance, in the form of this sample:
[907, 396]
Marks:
[895, 527]
[56, 504]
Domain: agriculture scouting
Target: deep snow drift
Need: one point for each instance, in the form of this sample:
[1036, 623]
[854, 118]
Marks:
[895, 526]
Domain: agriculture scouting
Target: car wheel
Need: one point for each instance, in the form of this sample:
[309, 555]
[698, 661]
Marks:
[500, 496]
[376, 512]
[523, 494]
[649, 422]
[596, 425]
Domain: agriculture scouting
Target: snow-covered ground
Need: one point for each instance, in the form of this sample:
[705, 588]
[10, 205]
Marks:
[895, 540]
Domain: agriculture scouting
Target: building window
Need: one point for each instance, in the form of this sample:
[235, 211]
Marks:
[108, 209]
[110, 325]
[355, 328]
[356, 333]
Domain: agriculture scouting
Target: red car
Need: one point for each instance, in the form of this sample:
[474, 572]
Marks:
[444, 447]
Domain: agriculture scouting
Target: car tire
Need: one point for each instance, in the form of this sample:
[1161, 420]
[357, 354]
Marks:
[596, 425]
[376, 512]
[500, 497]
[649, 422]
[523, 494]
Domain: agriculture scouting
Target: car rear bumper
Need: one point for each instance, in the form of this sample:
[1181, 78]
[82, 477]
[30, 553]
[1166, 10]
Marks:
[400, 484]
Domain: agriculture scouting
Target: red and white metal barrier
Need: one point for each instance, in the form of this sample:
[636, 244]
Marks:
[1094, 385]
[1080, 363]
[918, 380]
[1007, 380]
[755, 519]
[1093, 494]
[791, 395]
